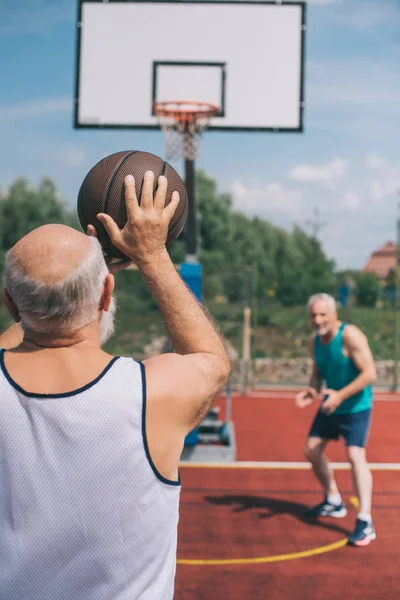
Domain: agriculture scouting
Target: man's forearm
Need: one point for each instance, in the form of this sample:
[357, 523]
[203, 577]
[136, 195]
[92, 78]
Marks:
[188, 326]
[316, 382]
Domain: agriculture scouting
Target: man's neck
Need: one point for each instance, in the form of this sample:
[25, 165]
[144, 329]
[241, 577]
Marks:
[86, 338]
[329, 335]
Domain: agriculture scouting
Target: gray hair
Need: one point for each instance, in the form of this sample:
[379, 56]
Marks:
[68, 304]
[330, 300]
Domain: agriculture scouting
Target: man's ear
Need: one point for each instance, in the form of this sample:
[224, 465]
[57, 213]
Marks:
[108, 289]
[9, 302]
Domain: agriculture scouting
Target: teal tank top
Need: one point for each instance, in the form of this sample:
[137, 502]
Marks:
[338, 371]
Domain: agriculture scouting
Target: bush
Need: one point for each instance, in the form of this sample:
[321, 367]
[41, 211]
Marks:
[368, 289]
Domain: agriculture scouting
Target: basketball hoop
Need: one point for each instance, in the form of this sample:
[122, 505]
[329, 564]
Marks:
[183, 122]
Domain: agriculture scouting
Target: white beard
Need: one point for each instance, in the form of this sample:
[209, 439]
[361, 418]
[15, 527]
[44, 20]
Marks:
[325, 330]
[107, 322]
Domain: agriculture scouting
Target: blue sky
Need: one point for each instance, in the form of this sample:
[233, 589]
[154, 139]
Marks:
[346, 163]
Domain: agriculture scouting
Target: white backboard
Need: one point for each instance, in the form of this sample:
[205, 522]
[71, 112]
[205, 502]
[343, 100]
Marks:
[247, 57]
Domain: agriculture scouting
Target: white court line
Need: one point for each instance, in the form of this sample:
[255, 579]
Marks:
[286, 395]
[341, 466]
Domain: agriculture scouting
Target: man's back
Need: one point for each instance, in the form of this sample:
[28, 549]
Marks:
[87, 510]
[84, 514]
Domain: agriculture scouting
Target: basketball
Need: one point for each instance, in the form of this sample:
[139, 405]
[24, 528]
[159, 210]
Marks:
[102, 191]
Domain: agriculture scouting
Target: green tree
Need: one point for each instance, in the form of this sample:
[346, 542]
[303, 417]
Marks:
[24, 208]
[293, 265]
[368, 289]
[235, 250]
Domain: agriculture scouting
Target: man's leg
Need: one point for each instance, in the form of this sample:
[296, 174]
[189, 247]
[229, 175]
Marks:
[364, 531]
[314, 452]
[332, 505]
[355, 428]
[362, 478]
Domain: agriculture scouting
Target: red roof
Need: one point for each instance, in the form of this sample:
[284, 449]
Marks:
[382, 260]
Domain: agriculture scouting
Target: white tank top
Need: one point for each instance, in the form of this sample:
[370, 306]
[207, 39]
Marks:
[84, 514]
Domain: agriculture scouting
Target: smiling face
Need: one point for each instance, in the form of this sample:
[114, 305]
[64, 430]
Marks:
[322, 317]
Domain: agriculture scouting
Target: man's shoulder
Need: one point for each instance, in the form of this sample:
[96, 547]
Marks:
[353, 335]
[350, 330]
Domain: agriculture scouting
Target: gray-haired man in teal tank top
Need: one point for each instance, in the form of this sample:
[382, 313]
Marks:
[342, 358]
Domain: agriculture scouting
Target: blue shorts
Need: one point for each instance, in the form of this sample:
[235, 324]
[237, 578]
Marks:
[353, 427]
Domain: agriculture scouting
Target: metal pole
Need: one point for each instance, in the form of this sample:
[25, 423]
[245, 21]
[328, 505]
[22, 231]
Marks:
[397, 307]
[246, 348]
[191, 269]
[246, 351]
[247, 287]
[191, 230]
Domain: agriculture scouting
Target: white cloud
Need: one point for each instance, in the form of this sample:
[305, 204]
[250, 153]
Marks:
[370, 229]
[35, 108]
[358, 97]
[348, 206]
[386, 187]
[386, 182]
[374, 161]
[74, 157]
[272, 197]
[332, 171]
[350, 201]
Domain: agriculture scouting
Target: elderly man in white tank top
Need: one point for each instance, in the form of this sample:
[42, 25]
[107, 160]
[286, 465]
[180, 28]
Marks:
[89, 443]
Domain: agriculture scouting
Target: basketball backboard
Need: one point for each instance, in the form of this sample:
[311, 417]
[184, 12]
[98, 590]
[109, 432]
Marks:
[246, 57]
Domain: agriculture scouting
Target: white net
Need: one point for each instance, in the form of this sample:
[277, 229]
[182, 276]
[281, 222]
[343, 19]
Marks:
[183, 124]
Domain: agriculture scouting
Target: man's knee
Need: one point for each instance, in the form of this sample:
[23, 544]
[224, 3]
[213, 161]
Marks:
[313, 449]
[356, 456]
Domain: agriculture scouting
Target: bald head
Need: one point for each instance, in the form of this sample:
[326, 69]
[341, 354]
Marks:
[49, 254]
[55, 277]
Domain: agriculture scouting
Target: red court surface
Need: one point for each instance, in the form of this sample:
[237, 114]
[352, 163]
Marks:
[244, 527]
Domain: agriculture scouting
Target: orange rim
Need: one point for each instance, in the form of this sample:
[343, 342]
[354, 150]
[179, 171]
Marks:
[185, 110]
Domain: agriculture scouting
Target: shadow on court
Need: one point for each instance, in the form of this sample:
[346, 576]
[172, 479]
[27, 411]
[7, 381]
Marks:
[270, 507]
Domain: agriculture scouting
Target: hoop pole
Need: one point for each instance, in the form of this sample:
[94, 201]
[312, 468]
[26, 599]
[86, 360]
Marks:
[191, 272]
[191, 241]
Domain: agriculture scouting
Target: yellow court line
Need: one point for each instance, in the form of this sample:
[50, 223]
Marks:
[264, 559]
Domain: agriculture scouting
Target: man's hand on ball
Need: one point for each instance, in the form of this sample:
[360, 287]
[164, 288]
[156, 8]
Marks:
[144, 235]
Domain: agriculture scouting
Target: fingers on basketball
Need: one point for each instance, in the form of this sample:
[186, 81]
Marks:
[91, 231]
[172, 206]
[110, 226]
[161, 193]
[131, 201]
[146, 199]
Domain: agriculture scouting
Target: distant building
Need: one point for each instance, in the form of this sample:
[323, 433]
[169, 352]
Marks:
[382, 261]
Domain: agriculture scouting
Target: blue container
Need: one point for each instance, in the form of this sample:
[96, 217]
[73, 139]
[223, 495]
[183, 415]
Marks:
[191, 274]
